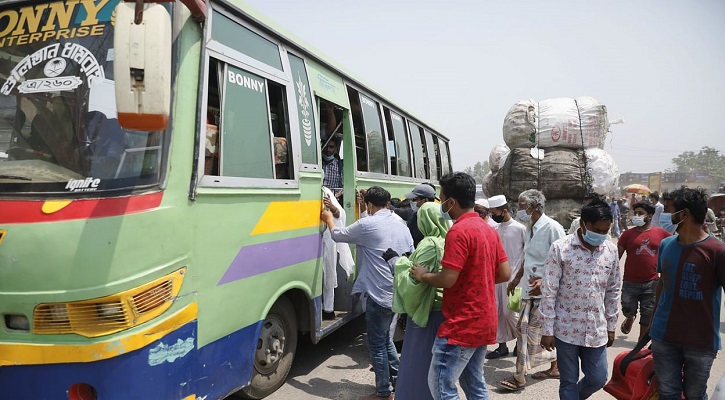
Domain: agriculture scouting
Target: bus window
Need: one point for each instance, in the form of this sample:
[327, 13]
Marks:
[243, 40]
[361, 150]
[377, 158]
[280, 131]
[421, 168]
[445, 160]
[254, 129]
[211, 142]
[430, 147]
[400, 160]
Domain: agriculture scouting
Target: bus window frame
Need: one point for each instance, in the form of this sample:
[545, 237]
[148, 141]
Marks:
[367, 174]
[433, 174]
[228, 56]
[422, 148]
[448, 167]
[383, 134]
[403, 121]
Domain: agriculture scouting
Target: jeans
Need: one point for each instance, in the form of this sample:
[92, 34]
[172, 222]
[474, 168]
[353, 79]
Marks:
[453, 363]
[383, 355]
[680, 369]
[640, 294]
[594, 366]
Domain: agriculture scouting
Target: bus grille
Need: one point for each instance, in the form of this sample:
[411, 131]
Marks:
[111, 314]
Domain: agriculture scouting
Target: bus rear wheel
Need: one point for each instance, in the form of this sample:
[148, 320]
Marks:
[276, 346]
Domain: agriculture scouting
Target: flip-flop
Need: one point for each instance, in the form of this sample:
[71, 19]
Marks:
[511, 384]
[545, 375]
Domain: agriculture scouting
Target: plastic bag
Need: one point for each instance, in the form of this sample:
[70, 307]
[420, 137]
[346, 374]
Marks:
[515, 300]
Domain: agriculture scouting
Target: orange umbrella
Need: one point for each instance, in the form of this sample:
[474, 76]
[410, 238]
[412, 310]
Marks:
[637, 188]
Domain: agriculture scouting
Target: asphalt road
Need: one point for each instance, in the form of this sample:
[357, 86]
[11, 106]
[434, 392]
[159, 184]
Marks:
[338, 368]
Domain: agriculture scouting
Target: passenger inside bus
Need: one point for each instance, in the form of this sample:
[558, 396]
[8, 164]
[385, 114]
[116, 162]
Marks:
[331, 141]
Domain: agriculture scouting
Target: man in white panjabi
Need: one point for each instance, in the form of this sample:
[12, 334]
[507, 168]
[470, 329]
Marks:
[513, 237]
[333, 252]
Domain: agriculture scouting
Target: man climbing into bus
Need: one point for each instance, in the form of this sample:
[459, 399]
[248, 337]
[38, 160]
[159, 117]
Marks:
[375, 235]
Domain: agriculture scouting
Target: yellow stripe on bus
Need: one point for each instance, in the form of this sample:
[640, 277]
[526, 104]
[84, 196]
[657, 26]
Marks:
[32, 354]
[283, 216]
[190, 397]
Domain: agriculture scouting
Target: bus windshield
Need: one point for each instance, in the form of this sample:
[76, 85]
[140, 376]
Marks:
[59, 131]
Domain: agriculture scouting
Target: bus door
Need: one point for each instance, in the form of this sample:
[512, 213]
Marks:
[338, 179]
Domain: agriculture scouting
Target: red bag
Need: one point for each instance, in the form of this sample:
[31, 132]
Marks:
[633, 375]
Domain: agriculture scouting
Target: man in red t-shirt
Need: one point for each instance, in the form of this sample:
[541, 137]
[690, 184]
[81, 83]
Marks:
[474, 261]
[640, 270]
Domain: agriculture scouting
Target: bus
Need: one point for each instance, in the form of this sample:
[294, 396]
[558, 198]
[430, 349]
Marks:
[160, 195]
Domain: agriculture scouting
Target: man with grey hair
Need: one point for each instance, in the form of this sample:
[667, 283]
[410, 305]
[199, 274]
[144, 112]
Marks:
[541, 232]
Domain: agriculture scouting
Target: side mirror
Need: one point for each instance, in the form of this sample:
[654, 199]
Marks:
[142, 67]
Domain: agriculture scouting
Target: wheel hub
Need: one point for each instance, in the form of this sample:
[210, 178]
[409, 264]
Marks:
[270, 347]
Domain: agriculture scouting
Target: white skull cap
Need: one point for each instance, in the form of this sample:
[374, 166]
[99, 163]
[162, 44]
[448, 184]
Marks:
[497, 201]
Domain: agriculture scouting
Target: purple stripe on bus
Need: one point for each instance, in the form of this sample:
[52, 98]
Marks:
[265, 257]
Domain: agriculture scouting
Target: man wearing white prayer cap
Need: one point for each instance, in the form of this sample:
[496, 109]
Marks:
[481, 207]
[513, 238]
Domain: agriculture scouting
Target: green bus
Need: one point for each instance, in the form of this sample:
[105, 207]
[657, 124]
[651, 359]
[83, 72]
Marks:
[160, 196]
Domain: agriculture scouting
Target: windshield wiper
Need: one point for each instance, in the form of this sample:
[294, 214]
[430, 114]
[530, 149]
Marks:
[15, 177]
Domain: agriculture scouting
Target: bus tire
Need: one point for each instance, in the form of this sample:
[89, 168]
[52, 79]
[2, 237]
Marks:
[276, 346]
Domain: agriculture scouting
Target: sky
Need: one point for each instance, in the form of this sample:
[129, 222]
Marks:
[460, 65]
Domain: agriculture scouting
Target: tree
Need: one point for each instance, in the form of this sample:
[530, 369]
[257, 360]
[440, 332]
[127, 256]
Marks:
[708, 160]
[478, 171]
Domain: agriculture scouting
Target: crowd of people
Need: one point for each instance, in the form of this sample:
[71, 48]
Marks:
[466, 274]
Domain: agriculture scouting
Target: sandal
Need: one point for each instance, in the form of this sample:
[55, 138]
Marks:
[546, 375]
[627, 325]
[511, 384]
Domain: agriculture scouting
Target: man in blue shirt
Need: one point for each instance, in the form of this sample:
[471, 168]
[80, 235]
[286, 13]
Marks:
[373, 236]
[685, 322]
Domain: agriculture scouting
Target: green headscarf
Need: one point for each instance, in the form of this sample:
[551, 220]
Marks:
[410, 296]
[430, 220]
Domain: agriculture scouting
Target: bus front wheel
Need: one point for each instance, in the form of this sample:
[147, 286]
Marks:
[276, 346]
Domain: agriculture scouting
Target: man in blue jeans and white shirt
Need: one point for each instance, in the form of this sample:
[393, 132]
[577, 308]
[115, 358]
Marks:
[373, 236]
[580, 303]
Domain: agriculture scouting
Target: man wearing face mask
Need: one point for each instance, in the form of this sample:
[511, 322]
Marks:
[374, 236]
[541, 232]
[665, 218]
[684, 328]
[513, 238]
[482, 208]
[420, 195]
[581, 327]
[640, 269]
[473, 262]
[332, 167]
[654, 198]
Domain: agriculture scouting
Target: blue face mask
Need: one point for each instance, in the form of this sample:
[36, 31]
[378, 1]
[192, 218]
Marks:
[445, 214]
[327, 157]
[595, 239]
[666, 222]
[414, 206]
[521, 214]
